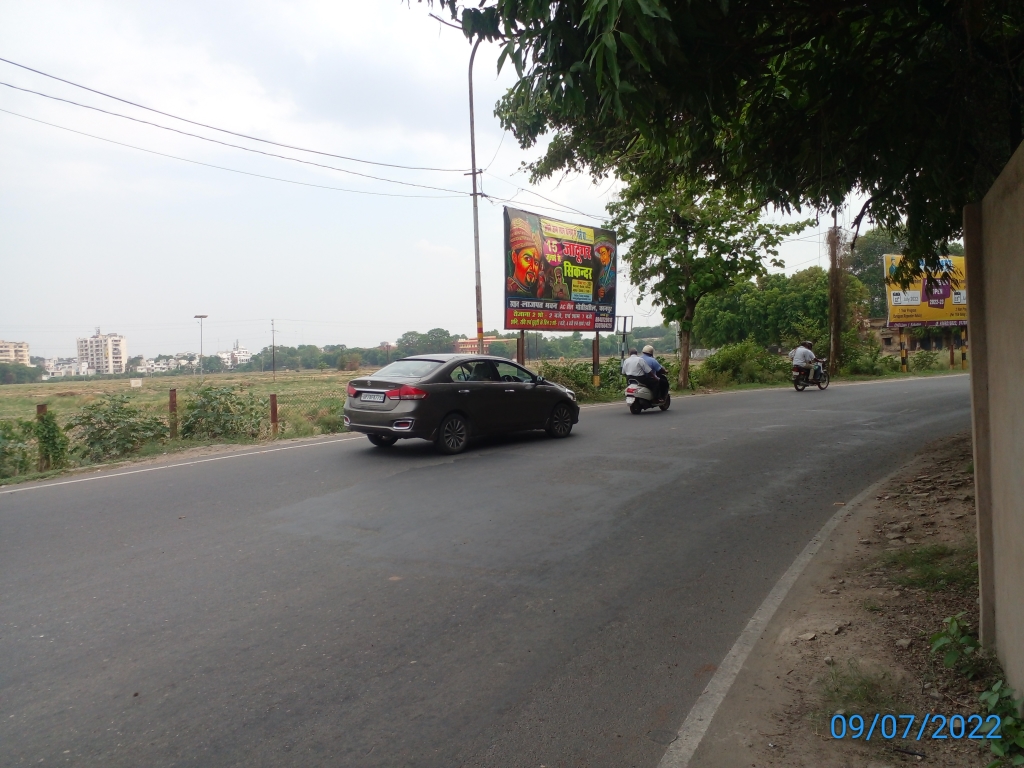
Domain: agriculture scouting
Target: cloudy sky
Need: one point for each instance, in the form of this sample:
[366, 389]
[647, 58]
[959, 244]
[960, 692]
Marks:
[94, 233]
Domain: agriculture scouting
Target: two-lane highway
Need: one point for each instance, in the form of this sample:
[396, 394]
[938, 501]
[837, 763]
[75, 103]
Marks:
[530, 602]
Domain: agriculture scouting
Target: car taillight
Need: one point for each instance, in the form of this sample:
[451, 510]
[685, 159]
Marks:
[352, 392]
[405, 392]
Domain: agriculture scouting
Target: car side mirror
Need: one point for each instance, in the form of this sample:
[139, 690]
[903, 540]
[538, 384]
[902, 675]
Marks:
[539, 380]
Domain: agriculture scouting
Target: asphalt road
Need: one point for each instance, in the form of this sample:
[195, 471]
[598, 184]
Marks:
[531, 602]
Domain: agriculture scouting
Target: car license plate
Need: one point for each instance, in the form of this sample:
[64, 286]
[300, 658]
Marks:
[629, 400]
[372, 397]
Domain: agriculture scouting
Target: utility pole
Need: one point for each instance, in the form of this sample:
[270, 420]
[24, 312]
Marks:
[834, 297]
[201, 318]
[476, 213]
[273, 349]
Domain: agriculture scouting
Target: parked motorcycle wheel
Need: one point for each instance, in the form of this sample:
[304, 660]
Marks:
[823, 381]
[800, 385]
[636, 409]
[668, 401]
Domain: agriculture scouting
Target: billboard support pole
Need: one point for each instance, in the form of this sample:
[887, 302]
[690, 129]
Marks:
[597, 359]
[521, 348]
[903, 353]
[476, 213]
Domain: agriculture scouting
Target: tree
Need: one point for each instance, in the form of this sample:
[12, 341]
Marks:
[691, 240]
[917, 105]
[212, 364]
[780, 310]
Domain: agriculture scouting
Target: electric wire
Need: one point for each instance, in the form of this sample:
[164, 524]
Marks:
[548, 199]
[233, 133]
[244, 173]
[228, 144]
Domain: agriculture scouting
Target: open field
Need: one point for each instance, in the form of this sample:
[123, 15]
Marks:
[300, 394]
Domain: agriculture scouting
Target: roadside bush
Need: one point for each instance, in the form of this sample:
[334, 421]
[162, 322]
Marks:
[871, 362]
[331, 423]
[215, 412]
[924, 360]
[577, 376]
[113, 427]
[743, 363]
[51, 442]
[17, 452]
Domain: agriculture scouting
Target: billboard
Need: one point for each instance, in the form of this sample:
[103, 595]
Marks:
[930, 301]
[558, 276]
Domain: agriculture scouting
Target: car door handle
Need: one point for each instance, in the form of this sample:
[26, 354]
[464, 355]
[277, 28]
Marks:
[510, 390]
[463, 391]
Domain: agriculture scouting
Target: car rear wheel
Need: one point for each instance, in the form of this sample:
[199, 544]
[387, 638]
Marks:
[453, 434]
[560, 424]
[382, 441]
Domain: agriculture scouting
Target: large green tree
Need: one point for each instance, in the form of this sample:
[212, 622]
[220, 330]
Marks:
[914, 103]
[689, 240]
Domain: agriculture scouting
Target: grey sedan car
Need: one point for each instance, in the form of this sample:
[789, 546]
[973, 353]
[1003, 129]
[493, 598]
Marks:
[449, 399]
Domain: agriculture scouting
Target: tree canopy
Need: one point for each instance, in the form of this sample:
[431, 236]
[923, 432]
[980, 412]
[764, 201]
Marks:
[916, 105]
[690, 240]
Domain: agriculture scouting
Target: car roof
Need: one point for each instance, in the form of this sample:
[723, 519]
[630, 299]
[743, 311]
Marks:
[448, 357]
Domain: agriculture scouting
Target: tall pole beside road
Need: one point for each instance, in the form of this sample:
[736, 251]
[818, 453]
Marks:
[476, 212]
[201, 318]
[834, 298]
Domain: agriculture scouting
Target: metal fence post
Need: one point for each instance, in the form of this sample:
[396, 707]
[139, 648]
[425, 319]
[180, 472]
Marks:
[273, 415]
[43, 462]
[172, 407]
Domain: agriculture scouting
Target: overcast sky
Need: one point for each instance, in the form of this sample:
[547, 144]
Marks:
[96, 234]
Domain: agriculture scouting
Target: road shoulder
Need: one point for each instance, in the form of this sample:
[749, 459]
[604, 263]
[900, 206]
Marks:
[843, 621]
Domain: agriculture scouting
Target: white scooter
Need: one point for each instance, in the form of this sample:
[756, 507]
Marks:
[639, 398]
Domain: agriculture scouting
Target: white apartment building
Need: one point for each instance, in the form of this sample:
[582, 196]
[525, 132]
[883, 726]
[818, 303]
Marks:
[14, 352]
[105, 353]
[235, 356]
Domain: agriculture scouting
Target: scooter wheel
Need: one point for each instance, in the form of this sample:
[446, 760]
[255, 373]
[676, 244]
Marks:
[635, 409]
[668, 401]
[823, 381]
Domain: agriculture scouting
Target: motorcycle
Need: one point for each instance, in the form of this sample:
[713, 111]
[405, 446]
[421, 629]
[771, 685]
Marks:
[802, 380]
[639, 398]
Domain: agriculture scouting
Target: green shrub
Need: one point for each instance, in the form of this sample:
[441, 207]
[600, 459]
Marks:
[216, 412]
[331, 423]
[871, 362]
[112, 427]
[743, 363]
[999, 700]
[577, 376]
[924, 360]
[17, 452]
[51, 441]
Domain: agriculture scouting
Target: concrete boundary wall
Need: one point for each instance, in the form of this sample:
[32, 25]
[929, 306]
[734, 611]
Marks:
[994, 243]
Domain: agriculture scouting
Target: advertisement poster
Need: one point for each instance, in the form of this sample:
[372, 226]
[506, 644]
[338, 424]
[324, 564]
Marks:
[928, 302]
[558, 276]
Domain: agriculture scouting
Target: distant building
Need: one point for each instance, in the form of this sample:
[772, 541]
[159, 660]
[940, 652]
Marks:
[14, 352]
[235, 356]
[468, 346]
[104, 353]
[57, 367]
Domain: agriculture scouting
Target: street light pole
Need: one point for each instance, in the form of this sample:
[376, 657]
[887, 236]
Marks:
[476, 213]
[201, 318]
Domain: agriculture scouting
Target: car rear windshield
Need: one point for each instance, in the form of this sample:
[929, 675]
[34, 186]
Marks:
[408, 369]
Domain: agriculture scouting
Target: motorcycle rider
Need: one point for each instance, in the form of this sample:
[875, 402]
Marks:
[804, 357]
[659, 371]
[635, 367]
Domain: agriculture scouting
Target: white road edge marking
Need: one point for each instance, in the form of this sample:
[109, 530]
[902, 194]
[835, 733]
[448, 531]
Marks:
[179, 464]
[681, 751]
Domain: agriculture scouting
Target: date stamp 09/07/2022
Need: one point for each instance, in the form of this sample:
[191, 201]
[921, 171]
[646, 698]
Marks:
[931, 726]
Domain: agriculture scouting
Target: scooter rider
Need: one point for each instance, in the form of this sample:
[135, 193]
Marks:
[635, 367]
[804, 357]
[659, 371]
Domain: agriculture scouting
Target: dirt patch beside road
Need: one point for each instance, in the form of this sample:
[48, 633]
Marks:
[853, 634]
